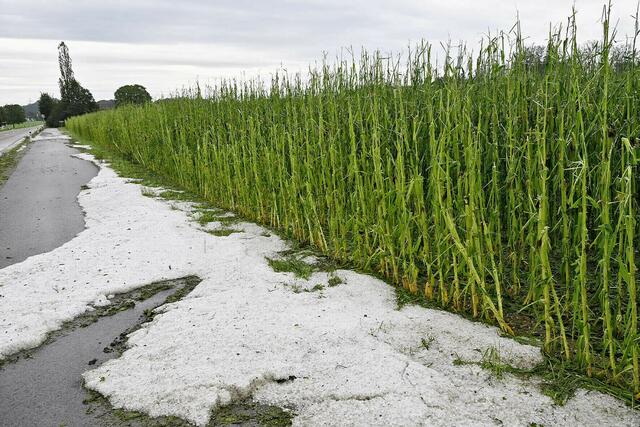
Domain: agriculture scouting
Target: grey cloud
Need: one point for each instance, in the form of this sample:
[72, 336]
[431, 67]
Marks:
[233, 22]
[225, 37]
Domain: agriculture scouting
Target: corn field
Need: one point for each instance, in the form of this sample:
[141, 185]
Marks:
[500, 184]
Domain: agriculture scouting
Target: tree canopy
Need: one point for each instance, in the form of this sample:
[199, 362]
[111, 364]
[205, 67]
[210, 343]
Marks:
[46, 104]
[132, 94]
[13, 114]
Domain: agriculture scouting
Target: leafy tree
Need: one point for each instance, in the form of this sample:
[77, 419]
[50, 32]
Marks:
[14, 114]
[78, 100]
[57, 115]
[46, 104]
[74, 99]
[3, 118]
[132, 94]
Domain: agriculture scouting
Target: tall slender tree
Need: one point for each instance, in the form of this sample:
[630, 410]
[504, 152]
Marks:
[66, 71]
[74, 99]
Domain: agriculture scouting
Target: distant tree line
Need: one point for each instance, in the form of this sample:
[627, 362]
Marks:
[11, 114]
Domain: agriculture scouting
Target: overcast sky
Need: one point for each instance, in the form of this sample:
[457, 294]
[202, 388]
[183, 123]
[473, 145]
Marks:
[168, 44]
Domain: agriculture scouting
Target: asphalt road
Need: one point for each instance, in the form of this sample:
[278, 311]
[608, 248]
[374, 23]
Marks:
[10, 138]
[39, 210]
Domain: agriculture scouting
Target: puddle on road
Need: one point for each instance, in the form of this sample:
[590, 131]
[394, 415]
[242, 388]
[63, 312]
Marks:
[44, 386]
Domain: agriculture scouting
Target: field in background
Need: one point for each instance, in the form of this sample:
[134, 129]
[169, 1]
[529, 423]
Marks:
[503, 186]
[27, 124]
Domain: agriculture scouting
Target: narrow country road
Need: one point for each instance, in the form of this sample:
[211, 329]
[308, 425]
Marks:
[38, 205]
[10, 138]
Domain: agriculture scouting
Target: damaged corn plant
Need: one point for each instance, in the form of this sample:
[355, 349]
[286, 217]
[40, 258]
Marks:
[501, 184]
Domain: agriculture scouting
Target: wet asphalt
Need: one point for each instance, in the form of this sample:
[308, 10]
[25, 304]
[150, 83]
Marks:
[39, 210]
[10, 138]
[46, 389]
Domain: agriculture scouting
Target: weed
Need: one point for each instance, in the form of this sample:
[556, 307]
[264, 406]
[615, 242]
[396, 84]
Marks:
[335, 280]
[426, 343]
[291, 264]
[10, 159]
[223, 232]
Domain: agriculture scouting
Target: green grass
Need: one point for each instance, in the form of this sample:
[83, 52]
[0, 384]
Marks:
[22, 125]
[9, 159]
[558, 379]
[501, 186]
[334, 281]
[244, 412]
[223, 232]
[291, 264]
